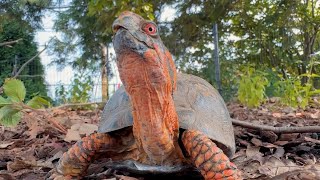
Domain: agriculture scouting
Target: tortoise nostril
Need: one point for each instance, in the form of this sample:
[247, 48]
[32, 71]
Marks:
[115, 28]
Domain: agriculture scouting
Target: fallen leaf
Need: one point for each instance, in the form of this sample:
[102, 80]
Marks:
[20, 163]
[253, 151]
[34, 130]
[276, 115]
[250, 171]
[6, 176]
[273, 166]
[288, 136]
[315, 115]
[299, 114]
[279, 152]
[122, 177]
[309, 139]
[5, 145]
[72, 135]
[269, 145]
[256, 142]
[281, 143]
[269, 136]
[78, 130]
[87, 129]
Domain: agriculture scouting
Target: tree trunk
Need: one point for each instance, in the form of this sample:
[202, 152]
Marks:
[104, 72]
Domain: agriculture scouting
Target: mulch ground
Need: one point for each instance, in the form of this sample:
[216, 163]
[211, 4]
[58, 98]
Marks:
[31, 149]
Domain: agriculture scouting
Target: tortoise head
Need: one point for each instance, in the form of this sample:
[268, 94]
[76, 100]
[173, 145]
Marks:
[137, 43]
[148, 74]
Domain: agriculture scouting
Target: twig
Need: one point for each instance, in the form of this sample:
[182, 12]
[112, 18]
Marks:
[50, 118]
[57, 125]
[29, 61]
[78, 104]
[10, 42]
[305, 129]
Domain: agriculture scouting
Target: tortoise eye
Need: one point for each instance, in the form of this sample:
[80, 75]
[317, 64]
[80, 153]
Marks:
[150, 29]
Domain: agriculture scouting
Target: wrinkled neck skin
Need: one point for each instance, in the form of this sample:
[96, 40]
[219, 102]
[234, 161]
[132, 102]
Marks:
[150, 81]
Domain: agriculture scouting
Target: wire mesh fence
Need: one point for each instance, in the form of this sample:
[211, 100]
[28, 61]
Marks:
[95, 92]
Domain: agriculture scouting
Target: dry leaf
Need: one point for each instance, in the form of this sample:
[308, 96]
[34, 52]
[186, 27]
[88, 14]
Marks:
[288, 136]
[87, 129]
[309, 139]
[276, 115]
[20, 163]
[269, 136]
[279, 152]
[256, 142]
[251, 170]
[78, 130]
[5, 145]
[315, 115]
[253, 151]
[122, 177]
[72, 135]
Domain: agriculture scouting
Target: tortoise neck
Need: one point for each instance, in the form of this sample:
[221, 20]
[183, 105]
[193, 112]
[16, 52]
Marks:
[155, 118]
[150, 87]
[155, 124]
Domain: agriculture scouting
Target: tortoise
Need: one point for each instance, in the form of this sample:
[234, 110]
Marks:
[160, 121]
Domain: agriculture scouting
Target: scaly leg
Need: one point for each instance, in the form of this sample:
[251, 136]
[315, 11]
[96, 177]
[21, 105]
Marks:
[208, 158]
[76, 160]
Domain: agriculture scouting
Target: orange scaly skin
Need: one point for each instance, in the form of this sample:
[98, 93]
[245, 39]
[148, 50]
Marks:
[76, 160]
[208, 158]
[155, 120]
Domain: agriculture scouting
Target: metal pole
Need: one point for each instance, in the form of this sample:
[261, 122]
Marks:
[15, 66]
[216, 56]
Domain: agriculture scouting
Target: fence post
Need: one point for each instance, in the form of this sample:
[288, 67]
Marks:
[216, 56]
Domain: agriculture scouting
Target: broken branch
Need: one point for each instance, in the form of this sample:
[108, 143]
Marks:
[10, 42]
[305, 129]
[29, 61]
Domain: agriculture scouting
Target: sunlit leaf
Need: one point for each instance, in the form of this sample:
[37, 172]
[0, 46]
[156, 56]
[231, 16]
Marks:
[4, 101]
[14, 89]
[38, 102]
[9, 116]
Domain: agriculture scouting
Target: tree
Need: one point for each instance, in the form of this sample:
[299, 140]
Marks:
[266, 34]
[12, 58]
[86, 28]
[18, 21]
[280, 34]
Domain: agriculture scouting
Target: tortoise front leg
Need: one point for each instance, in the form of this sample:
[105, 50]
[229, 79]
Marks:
[76, 160]
[208, 158]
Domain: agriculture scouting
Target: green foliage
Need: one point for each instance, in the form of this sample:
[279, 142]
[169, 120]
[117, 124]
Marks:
[118, 6]
[273, 34]
[38, 102]
[79, 92]
[9, 115]
[86, 27]
[294, 93]
[12, 58]
[12, 106]
[81, 88]
[252, 87]
[15, 90]
[27, 13]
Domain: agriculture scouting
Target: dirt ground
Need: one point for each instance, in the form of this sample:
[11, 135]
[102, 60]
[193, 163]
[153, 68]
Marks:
[30, 150]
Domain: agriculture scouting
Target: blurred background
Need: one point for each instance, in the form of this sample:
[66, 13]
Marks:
[249, 50]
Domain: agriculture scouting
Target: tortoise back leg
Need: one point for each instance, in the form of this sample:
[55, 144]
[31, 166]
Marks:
[76, 160]
[208, 158]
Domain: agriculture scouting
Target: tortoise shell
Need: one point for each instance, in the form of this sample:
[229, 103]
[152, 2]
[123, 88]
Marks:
[198, 104]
